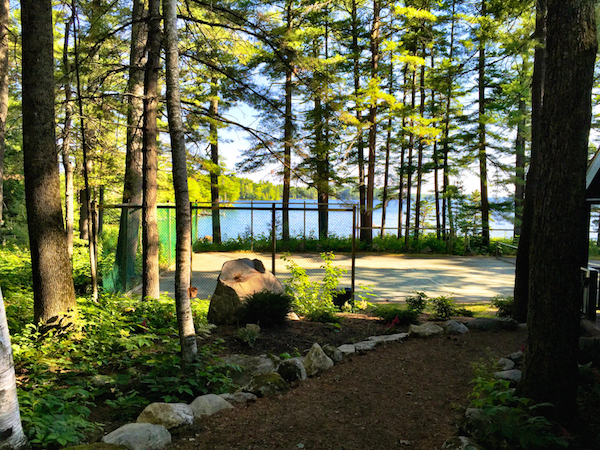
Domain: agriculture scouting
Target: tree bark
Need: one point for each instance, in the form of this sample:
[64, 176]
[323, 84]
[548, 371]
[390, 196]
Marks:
[559, 232]
[288, 131]
[375, 31]
[4, 21]
[150, 243]
[214, 156]
[521, 291]
[420, 152]
[520, 169]
[183, 216]
[53, 290]
[11, 430]
[482, 150]
[127, 244]
[66, 143]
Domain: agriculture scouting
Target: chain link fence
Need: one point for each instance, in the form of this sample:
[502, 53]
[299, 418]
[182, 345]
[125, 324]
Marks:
[249, 229]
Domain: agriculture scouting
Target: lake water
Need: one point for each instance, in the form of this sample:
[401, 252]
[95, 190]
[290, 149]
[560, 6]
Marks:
[243, 222]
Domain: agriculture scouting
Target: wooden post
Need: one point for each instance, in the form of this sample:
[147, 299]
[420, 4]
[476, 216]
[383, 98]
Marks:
[353, 248]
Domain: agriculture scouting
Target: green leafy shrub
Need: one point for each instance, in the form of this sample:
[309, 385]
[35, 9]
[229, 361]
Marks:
[509, 421]
[395, 314]
[248, 334]
[442, 307]
[311, 298]
[265, 308]
[505, 305]
[463, 312]
[323, 315]
[417, 302]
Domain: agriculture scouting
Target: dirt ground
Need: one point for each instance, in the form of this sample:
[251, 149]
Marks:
[407, 395]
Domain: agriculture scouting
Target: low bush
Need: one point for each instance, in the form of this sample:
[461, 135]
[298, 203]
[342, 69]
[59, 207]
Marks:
[395, 314]
[417, 302]
[509, 421]
[265, 308]
[505, 305]
[442, 307]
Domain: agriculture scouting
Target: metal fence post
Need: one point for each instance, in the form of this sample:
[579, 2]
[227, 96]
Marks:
[274, 238]
[251, 225]
[169, 235]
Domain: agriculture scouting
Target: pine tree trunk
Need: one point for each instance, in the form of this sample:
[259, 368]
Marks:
[559, 228]
[66, 143]
[214, 156]
[183, 267]
[53, 290]
[11, 431]
[288, 130]
[127, 244]
[373, 125]
[521, 292]
[150, 243]
[420, 153]
[409, 172]
[360, 145]
[482, 151]
[520, 169]
[388, 145]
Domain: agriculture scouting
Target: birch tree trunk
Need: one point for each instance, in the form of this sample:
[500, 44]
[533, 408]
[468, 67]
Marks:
[183, 215]
[11, 431]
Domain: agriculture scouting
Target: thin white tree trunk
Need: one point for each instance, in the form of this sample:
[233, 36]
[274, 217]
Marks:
[11, 431]
[183, 267]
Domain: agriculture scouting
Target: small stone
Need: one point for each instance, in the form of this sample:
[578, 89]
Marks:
[459, 443]
[513, 375]
[140, 436]
[425, 330]
[516, 357]
[493, 324]
[267, 384]
[347, 349]
[333, 352]
[239, 397]
[388, 337]
[506, 364]
[292, 370]
[169, 415]
[455, 327]
[317, 361]
[209, 404]
[365, 346]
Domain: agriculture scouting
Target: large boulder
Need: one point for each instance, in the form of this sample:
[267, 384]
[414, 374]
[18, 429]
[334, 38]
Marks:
[209, 404]
[248, 366]
[238, 279]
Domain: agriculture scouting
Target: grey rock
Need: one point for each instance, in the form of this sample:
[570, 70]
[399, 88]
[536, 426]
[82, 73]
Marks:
[169, 415]
[239, 397]
[459, 443]
[513, 375]
[506, 364]
[455, 327]
[317, 361]
[425, 330]
[333, 352]
[365, 346]
[292, 316]
[250, 365]
[517, 357]
[292, 370]
[493, 324]
[267, 384]
[388, 337]
[209, 404]
[238, 279]
[140, 436]
[347, 349]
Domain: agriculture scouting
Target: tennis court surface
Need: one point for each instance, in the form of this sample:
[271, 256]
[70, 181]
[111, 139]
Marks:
[390, 277]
